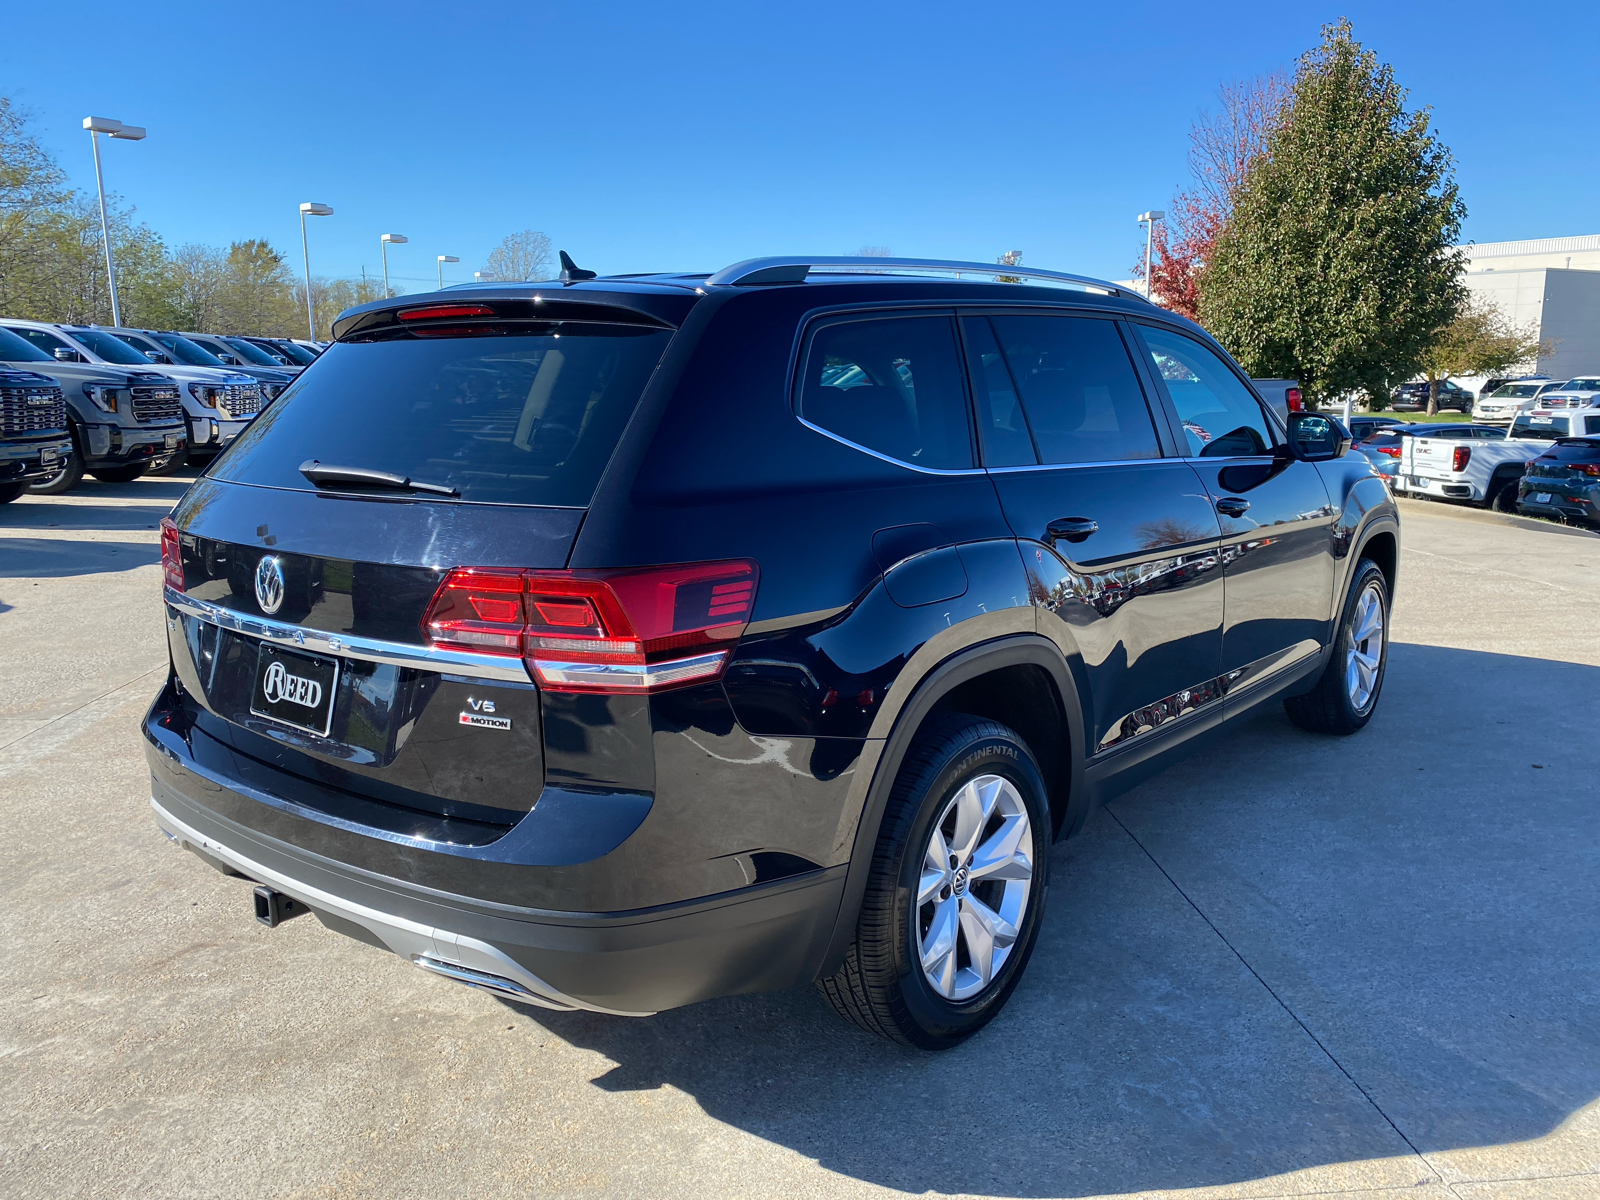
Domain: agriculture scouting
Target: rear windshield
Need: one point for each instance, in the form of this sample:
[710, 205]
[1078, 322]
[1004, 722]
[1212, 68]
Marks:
[1579, 450]
[1540, 426]
[504, 420]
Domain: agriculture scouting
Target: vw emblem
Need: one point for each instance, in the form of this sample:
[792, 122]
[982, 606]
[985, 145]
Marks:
[958, 883]
[269, 584]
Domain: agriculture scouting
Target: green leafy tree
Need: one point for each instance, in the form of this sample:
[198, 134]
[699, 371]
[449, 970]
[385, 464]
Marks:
[1480, 341]
[1336, 266]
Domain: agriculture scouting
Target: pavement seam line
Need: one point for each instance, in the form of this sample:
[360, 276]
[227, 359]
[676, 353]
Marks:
[1465, 566]
[1294, 1016]
[92, 700]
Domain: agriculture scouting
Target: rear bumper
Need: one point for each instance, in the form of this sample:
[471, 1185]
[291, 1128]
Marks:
[1445, 489]
[768, 937]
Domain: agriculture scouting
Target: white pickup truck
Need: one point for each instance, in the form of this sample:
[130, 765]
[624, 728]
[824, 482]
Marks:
[1485, 468]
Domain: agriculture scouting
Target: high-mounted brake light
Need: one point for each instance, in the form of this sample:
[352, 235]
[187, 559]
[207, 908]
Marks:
[440, 312]
[1459, 460]
[635, 630]
[1292, 397]
[171, 555]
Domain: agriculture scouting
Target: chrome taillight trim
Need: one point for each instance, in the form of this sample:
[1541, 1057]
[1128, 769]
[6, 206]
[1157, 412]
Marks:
[633, 677]
[320, 641]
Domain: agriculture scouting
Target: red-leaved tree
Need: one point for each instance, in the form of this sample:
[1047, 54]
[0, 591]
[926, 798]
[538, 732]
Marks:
[1222, 147]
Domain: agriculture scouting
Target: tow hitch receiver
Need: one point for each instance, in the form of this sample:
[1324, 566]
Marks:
[274, 908]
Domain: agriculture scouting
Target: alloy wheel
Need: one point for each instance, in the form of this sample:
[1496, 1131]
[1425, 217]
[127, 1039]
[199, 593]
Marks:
[1365, 655]
[974, 888]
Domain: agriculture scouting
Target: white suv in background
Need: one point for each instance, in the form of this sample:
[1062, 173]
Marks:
[1509, 399]
[1581, 392]
[218, 404]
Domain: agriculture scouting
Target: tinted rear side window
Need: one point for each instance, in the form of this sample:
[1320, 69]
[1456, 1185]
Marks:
[1079, 390]
[505, 420]
[893, 385]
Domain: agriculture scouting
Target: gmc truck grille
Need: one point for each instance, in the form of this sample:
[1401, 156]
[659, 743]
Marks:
[152, 403]
[241, 400]
[32, 409]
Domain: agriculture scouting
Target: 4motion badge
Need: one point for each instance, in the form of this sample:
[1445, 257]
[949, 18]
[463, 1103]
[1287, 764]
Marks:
[481, 715]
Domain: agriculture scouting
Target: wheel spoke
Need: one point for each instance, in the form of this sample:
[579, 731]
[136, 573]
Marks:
[935, 868]
[1369, 618]
[1003, 855]
[939, 946]
[985, 931]
[971, 814]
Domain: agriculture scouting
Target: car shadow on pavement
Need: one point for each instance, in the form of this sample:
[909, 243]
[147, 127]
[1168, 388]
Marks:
[83, 517]
[1231, 949]
[53, 558]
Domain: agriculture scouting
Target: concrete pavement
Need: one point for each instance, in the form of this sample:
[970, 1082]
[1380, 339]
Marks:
[1287, 966]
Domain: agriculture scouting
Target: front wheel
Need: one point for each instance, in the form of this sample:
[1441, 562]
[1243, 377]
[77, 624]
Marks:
[1503, 497]
[957, 889]
[1346, 695]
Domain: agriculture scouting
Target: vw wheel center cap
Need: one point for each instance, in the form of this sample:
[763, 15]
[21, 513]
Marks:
[958, 884]
[269, 584]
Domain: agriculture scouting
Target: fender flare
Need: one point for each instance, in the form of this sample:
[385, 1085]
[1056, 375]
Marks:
[1016, 650]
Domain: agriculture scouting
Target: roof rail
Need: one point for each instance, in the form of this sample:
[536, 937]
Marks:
[755, 271]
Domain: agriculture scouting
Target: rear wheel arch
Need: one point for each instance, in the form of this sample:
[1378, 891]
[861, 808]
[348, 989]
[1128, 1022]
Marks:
[979, 676]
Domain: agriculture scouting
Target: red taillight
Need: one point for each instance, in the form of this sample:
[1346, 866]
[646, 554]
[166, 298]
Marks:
[1293, 398]
[440, 312]
[636, 630]
[1391, 451]
[1459, 460]
[1591, 469]
[171, 555]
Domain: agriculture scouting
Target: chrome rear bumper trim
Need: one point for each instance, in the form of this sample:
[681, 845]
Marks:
[320, 641]
[455, 955]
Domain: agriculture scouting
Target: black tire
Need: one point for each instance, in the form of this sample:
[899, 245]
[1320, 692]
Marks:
[174, 464]
[119, 474]
[1503, 495]
[10, 491]
[1329, 707]
[881, 986]
[64, 480]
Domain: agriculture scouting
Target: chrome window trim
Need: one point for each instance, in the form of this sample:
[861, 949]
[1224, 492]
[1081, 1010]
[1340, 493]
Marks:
[899, 462]
[636, 677]
[320, 641]
[1106, 462]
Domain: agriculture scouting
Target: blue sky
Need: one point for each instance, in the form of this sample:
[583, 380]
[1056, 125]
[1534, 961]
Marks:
[687, 136]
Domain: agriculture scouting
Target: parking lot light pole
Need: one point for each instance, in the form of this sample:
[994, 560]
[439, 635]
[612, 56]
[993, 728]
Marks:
[313, 209]
[388, 239]
[1148, 220]
[127, 133]
[444, 258]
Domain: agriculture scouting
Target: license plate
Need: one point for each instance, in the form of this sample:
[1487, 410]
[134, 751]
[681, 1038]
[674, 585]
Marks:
[295, 689]
[172, 441]
[49, 458]
[1541, 497]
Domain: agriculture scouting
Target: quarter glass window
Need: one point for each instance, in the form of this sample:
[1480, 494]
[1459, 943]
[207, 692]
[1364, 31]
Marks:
[1079, 391]
[1221, 419]
[892, 385]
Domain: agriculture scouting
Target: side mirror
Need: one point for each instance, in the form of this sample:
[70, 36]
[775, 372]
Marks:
[65, 355]
[229, 360]
[1317, 437]
[156, 357]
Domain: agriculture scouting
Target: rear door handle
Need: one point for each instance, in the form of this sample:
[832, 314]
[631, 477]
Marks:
[1069, 529]
[1232, 506]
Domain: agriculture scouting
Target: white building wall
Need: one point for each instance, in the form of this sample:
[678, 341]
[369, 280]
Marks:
[1558, 306]
[1562, 254]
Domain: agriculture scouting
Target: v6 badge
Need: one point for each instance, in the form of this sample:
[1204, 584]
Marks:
[479, 718]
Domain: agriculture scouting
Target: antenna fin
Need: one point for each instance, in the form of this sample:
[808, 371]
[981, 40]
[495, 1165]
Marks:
[571, 272]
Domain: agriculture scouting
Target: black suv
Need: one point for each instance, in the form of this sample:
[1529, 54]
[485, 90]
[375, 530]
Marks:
[1413, 397]
[620, 643]
[33, 431]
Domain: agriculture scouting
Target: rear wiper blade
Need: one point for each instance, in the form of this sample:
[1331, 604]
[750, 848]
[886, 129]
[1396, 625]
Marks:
[320, 473]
